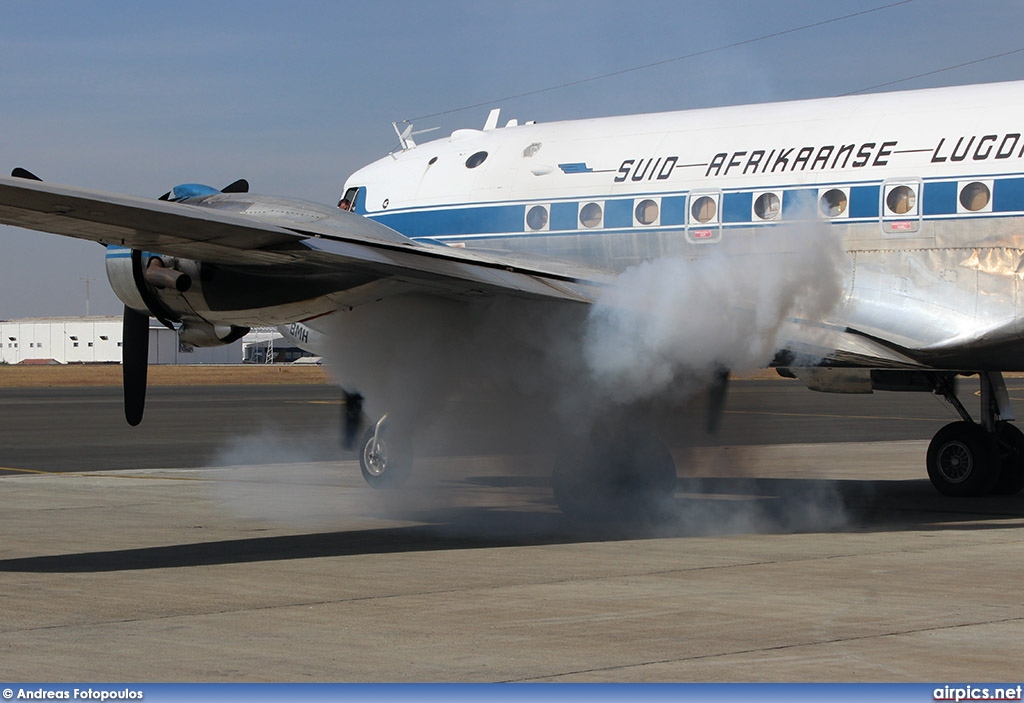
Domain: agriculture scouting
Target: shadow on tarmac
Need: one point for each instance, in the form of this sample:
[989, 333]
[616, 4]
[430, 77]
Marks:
[702, 507]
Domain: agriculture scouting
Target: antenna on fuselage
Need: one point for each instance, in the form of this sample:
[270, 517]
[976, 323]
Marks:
[405, 135]
[492, 119]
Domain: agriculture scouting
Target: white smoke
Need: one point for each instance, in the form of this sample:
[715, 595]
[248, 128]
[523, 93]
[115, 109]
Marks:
[550, 369]
[409, 355]
[662, 331]
[672, 323]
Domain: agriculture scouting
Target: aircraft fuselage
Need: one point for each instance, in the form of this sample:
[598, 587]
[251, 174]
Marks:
[925, 190]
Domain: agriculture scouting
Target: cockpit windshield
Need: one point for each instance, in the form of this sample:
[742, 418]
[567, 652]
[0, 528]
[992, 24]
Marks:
[348, 200]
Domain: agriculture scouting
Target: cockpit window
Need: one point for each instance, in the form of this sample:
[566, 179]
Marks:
[476, 159]
[348, 201]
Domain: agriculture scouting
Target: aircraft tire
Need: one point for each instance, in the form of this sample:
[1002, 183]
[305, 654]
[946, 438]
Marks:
[963, 460]
[626, 478]
[1011, 466]
[391, 464]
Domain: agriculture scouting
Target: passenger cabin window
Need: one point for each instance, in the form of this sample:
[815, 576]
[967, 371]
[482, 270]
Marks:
[767, 206]
[703, 209]
[590, 215]
[537, 217]
[646, 212]
[832, 202]
[975, 196]
[901, 207]
[348, 201]
[901, 200]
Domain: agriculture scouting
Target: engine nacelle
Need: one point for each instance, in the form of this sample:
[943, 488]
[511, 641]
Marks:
[219, 298]
[203, 334]
[158, 285]
[122, 277]
[155, 284]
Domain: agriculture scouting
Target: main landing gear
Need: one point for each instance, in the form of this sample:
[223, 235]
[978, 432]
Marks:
[966, 458]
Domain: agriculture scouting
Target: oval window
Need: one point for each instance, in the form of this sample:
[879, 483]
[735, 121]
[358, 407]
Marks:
[975, 196]
[901, 200]
[832, 203]
[590, 215]
[646, 212]
[476, 159]
[537, 217]
[767, 206]
[703, 209]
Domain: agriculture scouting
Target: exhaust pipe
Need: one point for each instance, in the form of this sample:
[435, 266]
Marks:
[159, 276]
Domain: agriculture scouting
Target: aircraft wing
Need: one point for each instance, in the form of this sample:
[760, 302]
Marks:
[348, 241]
[221, 237]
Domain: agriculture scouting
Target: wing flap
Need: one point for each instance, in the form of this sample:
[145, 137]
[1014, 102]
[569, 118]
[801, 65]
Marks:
[820, 345]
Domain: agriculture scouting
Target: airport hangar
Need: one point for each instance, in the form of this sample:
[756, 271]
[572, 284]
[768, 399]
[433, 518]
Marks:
[98, 340]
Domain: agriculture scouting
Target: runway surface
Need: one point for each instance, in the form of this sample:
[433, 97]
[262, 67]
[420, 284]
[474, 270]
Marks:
[81, 429]
[225, 540]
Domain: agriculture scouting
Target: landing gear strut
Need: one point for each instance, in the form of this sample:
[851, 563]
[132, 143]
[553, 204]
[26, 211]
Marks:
[966, 458]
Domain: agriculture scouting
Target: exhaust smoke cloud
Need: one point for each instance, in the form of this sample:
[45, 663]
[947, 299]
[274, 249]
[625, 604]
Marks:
[672, 323]
[525, 374]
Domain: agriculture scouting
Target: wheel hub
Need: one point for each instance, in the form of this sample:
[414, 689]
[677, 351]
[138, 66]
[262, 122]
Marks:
[955, 462]
[375, 457]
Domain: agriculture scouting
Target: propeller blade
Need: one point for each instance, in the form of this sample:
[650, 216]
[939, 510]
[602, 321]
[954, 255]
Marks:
[353, 419]
[239, 186]
[135, 363]
[716, 399]
[24, 173]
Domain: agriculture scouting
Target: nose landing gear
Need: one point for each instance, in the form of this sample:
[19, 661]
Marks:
[385, 457]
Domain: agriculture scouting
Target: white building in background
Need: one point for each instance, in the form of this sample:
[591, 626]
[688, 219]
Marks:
[64, 340]
[97, 340]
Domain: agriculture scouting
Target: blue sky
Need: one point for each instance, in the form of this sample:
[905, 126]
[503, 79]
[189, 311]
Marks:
[135, 97]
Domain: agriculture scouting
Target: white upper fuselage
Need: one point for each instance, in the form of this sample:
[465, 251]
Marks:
[733, 154]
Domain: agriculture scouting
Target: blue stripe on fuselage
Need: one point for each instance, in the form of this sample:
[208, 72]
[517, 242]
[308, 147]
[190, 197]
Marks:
[456, 221]
[938, 199]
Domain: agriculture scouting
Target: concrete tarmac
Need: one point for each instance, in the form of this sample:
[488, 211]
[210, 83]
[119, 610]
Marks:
[789, 555]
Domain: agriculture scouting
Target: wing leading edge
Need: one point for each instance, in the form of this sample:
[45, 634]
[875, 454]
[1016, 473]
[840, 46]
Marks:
[214, 235]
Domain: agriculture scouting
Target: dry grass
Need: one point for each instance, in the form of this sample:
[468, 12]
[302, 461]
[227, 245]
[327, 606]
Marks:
[18, 376]
[110, 375]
